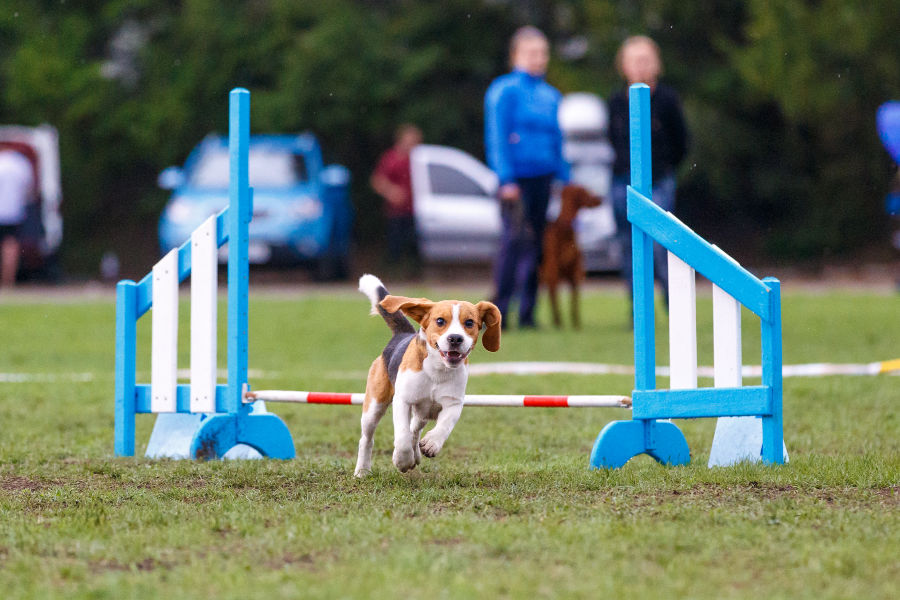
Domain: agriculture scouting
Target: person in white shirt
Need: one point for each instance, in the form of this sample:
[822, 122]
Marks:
[16, 191]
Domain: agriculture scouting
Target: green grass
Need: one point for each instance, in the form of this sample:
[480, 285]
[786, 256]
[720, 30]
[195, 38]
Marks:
[509, 509]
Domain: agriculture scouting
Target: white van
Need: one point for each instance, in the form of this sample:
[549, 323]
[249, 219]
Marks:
[42, 229]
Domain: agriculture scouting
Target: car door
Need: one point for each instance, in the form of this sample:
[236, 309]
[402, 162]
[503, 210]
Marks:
[456, 211]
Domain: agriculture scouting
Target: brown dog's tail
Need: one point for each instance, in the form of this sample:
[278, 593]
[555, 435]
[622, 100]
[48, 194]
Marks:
[375, 291]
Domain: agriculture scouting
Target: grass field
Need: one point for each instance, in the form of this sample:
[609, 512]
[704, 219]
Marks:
[509, 509]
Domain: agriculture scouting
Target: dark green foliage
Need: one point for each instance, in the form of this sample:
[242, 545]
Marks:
[780, 98]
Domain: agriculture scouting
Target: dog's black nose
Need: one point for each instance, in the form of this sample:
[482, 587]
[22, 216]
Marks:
[454, 339]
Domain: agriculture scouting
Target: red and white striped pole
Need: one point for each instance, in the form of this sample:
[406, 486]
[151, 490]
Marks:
[471, 399]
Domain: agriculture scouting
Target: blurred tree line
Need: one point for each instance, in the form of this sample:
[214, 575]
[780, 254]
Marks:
[785, 163]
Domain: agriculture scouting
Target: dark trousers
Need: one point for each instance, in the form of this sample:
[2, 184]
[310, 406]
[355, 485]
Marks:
[664, 197]
[521, 247]
[401, 237]
[402, 246]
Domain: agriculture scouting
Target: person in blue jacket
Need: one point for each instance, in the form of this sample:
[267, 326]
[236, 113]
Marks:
[523, 143]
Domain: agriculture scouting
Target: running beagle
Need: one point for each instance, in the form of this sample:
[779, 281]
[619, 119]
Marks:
[423, 372]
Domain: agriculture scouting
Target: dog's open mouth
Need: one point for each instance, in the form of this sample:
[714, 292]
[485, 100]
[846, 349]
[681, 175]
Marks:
[453, 357]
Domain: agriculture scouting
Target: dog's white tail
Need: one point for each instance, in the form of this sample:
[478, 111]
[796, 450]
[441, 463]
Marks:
[375, 291]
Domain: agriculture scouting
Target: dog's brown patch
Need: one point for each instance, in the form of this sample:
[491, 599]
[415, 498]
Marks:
[378, 385]
[414, 356]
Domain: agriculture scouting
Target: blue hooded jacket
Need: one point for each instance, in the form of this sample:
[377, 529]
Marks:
[521, 129]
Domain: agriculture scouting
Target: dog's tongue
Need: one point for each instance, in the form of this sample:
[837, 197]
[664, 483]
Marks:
[453, 356]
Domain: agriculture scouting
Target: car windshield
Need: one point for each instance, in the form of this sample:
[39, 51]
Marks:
[269, 168]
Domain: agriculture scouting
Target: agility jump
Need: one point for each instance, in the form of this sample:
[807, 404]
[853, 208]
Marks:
[205, 419]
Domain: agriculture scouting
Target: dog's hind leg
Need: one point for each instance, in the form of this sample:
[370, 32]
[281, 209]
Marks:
[378, 398]
[368, 422]
[576, 306]
[552, 287]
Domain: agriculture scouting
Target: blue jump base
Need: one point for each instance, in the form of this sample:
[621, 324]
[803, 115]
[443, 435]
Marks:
[620, 441]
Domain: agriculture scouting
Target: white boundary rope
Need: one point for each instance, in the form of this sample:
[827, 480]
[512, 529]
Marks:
[886, 367]
[575, 368]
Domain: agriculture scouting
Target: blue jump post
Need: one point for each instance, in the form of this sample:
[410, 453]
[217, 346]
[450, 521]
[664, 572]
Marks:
[203, 435]
[760, 436]
[620, 441]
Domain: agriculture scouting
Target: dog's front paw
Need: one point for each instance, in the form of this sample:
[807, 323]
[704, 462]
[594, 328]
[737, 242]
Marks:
[430, 446]
[404, 459]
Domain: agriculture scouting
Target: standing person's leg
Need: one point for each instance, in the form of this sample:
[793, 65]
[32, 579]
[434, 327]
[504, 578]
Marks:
[535, 197]
[619, 193]
[664, 197]
[414, 246]
[410, 248]
[507, 257]
[394, 239]
[393, 257]
[9, 256]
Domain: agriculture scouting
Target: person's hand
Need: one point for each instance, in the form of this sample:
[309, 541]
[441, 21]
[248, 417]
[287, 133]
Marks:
[397, 196]
[509, 192]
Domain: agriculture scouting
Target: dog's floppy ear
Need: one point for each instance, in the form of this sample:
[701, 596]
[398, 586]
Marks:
[592, 200]
[581, 196]
[490, 316]
[414, 308]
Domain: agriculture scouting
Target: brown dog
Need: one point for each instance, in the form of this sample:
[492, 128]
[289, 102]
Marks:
[562, 259]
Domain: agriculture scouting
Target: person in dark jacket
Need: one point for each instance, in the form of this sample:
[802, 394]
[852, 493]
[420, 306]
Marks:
[524, 147]
[639, 61]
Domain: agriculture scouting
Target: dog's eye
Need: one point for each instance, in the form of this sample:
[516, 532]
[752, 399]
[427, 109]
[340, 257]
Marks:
[470, 323]
[440, 322]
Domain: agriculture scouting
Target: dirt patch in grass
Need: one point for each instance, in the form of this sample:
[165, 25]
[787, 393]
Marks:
[718, 494]
[144, 565]
[305, 561]
[14, 483]
[454, 541]
[890, 496]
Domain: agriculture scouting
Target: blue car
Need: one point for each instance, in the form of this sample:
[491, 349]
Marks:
[301, 208]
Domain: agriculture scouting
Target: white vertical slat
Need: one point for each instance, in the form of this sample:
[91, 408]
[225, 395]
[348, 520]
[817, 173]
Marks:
[682, 325]
[164, 345]
[726, 339]
[204, 281]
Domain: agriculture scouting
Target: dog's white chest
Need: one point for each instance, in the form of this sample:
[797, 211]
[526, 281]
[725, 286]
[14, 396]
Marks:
[434, 383]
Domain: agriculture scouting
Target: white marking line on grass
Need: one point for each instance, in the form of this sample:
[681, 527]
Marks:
[46, 377]
[87, 377]
[509, 368]
[575, 368]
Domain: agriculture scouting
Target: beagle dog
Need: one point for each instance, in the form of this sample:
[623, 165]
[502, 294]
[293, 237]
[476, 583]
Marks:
[424, 373]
